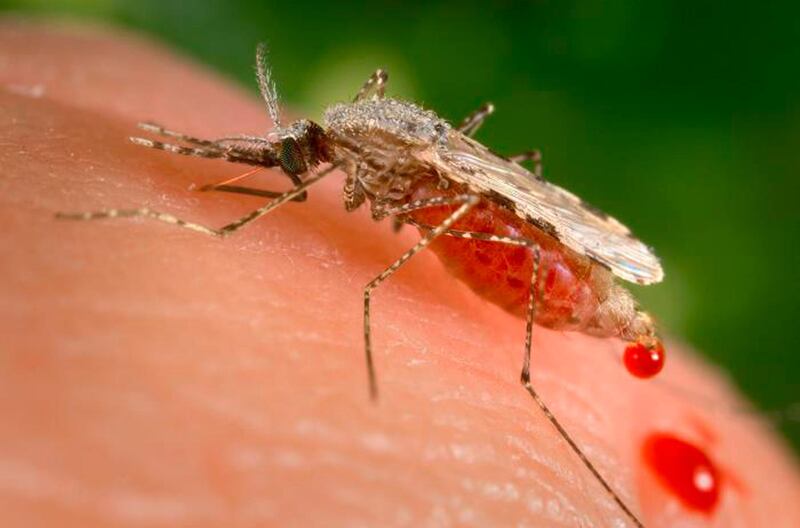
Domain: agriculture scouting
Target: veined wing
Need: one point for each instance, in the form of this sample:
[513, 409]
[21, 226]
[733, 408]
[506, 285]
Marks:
[558, 212]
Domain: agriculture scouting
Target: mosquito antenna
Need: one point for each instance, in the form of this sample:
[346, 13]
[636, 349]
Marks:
[266, 85]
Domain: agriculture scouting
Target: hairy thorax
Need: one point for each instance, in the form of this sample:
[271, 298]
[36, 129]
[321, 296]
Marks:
[379, 142]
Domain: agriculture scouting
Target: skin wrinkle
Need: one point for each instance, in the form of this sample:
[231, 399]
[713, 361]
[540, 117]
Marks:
[31, 483]
[211, 380]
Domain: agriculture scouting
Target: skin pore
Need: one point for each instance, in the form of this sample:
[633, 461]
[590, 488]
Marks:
[154, 376]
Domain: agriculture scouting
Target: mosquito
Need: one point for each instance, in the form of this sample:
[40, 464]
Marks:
[523, 243]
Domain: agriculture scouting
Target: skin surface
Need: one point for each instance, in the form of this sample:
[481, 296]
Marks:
[151, 376]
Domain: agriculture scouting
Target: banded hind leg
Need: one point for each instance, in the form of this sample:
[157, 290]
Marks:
[525, 375]
[220, 232]
[470, 125]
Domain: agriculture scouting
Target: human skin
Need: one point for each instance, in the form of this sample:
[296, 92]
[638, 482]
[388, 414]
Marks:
[153, 376]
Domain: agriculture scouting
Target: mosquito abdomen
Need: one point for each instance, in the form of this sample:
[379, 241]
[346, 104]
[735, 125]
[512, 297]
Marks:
[572, 292]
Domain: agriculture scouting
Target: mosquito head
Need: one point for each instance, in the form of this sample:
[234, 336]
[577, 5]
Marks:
[300, 146]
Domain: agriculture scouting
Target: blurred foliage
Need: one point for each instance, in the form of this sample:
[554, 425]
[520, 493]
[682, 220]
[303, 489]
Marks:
[680, 118]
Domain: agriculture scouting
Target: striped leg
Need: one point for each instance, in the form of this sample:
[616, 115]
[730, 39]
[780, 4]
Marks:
[200, 228]
[534, 156]
[380, 211]
[465, 203]
[473, 122]
[376, 83]
[525, 376]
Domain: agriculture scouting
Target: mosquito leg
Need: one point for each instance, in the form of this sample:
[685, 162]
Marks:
[379, 212]
[529, 155]
[574, 446]
[525, 377]
[216, 232]
[474, 235]
[473, 122]
[465, 202]
[353, 192]
[534, 156]
[376, 82]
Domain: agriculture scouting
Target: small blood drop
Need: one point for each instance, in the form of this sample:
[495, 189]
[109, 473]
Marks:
[644, 361]
[685, 470]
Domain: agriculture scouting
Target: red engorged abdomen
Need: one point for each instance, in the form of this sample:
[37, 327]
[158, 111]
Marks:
[567, 284]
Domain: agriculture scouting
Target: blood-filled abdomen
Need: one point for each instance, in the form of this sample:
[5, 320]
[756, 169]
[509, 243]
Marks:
[571, 291]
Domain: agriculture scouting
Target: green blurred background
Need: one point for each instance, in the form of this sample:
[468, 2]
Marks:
[680, 118]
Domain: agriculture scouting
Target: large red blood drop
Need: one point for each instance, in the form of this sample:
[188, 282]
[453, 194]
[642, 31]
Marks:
[685, 470]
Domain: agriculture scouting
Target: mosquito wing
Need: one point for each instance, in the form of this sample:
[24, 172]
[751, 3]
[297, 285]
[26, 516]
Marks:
[556, 211]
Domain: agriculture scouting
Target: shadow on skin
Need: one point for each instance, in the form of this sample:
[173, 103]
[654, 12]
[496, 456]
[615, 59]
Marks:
[156, 376]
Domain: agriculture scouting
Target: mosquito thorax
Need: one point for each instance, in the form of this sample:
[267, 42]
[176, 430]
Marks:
[386, 121]
[379, 142]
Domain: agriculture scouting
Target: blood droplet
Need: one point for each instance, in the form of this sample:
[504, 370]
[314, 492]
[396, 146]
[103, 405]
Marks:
[644, 361]
[685, 470]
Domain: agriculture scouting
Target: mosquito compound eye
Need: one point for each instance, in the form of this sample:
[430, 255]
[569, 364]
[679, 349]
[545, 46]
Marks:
[291, 157]
[644, 361]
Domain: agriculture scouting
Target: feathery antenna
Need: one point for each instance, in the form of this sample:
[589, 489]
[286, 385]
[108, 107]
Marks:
[266, 85]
